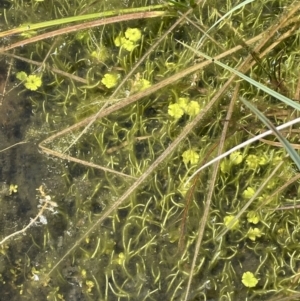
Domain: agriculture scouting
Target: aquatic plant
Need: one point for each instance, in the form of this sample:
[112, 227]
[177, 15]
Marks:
[132, 112]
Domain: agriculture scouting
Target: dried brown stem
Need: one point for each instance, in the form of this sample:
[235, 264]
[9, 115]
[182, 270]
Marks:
[74, 28]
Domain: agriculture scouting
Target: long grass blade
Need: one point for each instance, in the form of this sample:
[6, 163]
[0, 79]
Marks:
[253, 82]
[293, 154]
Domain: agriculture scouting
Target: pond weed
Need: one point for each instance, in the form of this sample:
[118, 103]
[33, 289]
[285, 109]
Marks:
[120, 231]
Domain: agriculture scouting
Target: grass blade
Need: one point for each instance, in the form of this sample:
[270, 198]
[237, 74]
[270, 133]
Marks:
[293, 154]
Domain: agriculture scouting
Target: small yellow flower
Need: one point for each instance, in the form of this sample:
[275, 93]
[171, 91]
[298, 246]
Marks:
[133, 34]
[170, 66]
[21, 75]
[121, 258]
[100, 54]
[225, 166]
[183, 103]
[263, 160]
[141, 84]
[118, 41]
[262, 197]
[252, 161]
[236, 158]
[193, 108]
[253, 217]
[254, 233]
[190, 156]
[13, 189]
[175, 110]
[272, 183]
[276, 160]
[228, 219]
[145, 84]
[90, 284]
[184, 188]
[33, 82]
[249, 280]
[110, 80]
[248, 193]
[125, 43]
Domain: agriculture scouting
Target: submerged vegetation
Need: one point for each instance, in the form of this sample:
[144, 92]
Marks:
[129, 101]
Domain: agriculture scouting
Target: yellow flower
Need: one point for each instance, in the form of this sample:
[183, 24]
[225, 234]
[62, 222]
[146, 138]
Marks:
[125, 43]
[263, 197]
[272, 183]
[21, 75]
[190, 156]
[13, 189]
[109, 80]
[254, 161]
[276, 160]
[175, 110]
[193, 108]
[33, 82]
[254, 233]
[263, 160]
[90, 284]
[100, 54]
[133, 34]
[252, 217]
[118, 41]
[249, 280]
[141, 84]
[183, 103]
[121, 258]
[225, 166]
[236, 158]
[227, 221]
[184, 188]
[248, 193]
[145, 84]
